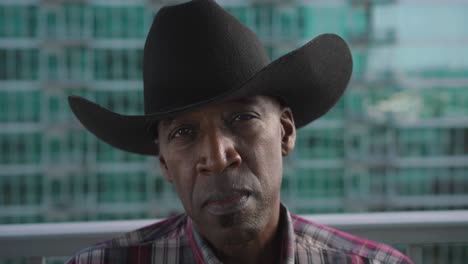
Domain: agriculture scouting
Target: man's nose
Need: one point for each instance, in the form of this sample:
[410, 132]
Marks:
[217, 153]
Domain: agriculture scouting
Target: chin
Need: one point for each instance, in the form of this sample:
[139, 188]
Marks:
[240, 222]
[232, 220]
[237, 234]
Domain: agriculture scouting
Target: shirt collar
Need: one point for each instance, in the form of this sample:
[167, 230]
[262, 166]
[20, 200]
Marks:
[204, 253]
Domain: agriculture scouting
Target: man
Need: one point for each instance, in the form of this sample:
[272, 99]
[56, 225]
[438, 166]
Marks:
[220, 118]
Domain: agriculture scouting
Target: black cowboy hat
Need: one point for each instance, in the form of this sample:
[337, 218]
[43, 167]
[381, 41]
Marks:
[197, 53]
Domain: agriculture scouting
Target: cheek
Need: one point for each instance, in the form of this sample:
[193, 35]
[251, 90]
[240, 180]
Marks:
[265, 157]
[180, 169]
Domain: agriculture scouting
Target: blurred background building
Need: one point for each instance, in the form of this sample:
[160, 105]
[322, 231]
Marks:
[397, 140]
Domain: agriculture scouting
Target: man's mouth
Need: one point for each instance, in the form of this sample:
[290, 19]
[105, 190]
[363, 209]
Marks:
[227, 203]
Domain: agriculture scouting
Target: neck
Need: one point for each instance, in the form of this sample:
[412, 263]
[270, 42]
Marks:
[255, 252]
[262, 247]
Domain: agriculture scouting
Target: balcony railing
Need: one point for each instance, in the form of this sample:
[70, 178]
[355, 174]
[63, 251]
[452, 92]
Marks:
[412, 230]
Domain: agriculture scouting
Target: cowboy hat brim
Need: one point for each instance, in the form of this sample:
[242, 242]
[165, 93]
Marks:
[310, 80]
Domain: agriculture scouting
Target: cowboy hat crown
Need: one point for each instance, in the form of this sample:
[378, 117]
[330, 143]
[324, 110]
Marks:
[196, 53]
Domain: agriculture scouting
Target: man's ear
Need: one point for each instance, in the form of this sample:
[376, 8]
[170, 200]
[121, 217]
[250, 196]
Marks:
[164, 169]
[288, 131]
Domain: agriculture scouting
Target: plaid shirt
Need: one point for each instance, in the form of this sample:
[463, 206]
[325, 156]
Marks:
[175, 240]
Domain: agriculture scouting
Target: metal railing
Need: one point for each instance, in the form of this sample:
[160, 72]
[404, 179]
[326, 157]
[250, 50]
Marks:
[410, 229]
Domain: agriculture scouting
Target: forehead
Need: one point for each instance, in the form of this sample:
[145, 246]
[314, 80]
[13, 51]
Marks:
[259, 103]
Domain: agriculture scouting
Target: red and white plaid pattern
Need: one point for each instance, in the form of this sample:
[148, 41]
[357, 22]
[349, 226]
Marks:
[174, 240]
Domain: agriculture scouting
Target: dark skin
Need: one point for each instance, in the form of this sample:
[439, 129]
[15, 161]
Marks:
[225, 161]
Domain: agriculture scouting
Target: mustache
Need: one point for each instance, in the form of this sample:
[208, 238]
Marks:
[225, 186]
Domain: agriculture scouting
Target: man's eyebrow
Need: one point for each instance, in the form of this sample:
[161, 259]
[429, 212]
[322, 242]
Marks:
[241, 101]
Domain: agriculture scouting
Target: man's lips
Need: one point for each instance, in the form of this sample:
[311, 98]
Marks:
[227, 203]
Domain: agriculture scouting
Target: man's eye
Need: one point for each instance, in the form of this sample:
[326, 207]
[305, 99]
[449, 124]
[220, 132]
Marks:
[182, 132]
[243, 117]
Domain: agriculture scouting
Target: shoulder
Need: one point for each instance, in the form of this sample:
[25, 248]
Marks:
[167, 237]
[336, 245]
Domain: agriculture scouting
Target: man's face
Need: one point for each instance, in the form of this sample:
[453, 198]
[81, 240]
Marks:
[225, 161]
